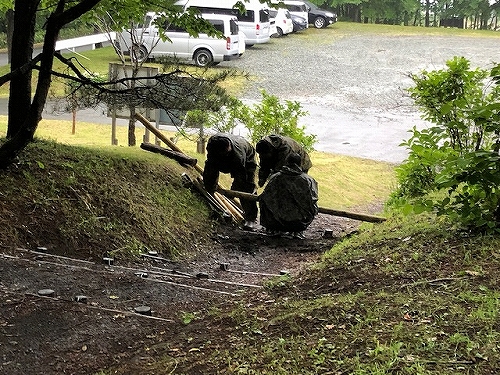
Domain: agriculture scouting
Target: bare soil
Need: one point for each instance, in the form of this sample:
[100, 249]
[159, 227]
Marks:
[98, 316]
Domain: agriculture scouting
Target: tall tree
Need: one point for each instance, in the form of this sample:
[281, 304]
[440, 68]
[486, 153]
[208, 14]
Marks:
[25, 109]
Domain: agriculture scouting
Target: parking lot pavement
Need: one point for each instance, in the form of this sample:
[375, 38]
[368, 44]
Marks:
[353, 88]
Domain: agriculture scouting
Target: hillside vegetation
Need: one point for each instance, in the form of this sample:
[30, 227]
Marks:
[85, 202]
[410, 296]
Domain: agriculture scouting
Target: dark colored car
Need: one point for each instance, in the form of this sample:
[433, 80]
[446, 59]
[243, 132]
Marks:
[299, 23]
[320, 18]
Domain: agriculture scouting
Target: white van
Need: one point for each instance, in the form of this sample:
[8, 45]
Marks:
[254, 23]
[203, 50]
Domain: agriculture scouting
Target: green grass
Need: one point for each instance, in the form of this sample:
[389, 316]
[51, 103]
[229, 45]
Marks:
[344, 182]
[83, 201]
[369, 307]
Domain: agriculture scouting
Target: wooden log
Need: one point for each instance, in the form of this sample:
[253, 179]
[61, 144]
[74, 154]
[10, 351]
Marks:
[323, 210]
[174, 147]
[177, 156]
[214, 202]
[160, 135]
[226, 203]
[351, 215]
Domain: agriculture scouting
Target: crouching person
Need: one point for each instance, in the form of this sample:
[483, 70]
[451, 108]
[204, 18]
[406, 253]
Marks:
[289, 201]
[229, 153]
[273, 151]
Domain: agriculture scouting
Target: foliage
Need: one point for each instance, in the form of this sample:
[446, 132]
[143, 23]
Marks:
[460, 154]
[224, 120]
[269, 116]
[412, 12]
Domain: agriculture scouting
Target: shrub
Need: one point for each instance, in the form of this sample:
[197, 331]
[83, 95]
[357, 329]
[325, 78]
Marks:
[460, 154]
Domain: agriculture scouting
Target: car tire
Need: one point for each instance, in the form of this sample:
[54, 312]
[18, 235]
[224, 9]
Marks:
[319, 22]
[203, 58]
[139, 54]
[279, 32]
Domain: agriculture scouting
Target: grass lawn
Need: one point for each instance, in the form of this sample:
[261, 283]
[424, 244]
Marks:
[344, 182]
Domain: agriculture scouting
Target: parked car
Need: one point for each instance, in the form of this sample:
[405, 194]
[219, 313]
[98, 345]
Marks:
[272, 26]
[283, 21]
[204, 50]
[299, 8]
[254, 22]
[241, 43]
[318, 17]
[299, 23]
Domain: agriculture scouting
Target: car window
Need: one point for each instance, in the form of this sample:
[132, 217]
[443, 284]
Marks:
[233, 27]
[264, 15]
[231, 12]
[218, 25]
[273, 13]
[296, 8]
[248, 16]
[147, 22]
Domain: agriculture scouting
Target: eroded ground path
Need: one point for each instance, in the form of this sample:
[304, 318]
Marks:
[95, 316]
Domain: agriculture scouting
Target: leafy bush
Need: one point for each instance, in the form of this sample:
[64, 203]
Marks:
[269, 116]
[460, 154]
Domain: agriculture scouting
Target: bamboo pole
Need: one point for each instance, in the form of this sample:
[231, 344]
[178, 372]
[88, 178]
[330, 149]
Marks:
[160, 135]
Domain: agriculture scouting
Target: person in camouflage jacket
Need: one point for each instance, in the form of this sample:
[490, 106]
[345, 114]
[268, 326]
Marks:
[233, 154]
[289, 200]
[273, 151]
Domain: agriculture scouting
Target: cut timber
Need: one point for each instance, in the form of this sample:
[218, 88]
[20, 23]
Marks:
[223, 201]
[226, 203]
[323, 210]
[177, 156]
[160, 135]
[351, 215]
[201, 189]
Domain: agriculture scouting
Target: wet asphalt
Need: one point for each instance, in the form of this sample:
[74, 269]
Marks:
[353, 88]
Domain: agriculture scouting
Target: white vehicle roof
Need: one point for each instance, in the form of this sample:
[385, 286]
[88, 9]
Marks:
[251, 4]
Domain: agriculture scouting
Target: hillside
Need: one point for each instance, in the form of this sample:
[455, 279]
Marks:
[410, 296]
[116, 228]
[80, 203]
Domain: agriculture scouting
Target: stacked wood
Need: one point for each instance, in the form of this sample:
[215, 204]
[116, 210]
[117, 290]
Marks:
[217, 201]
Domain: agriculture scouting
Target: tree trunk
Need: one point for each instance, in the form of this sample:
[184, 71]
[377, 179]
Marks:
[20, 86]
[9, 15]
[427, 12]
[25, 115]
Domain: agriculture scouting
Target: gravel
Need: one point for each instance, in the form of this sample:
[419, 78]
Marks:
[354, 87]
